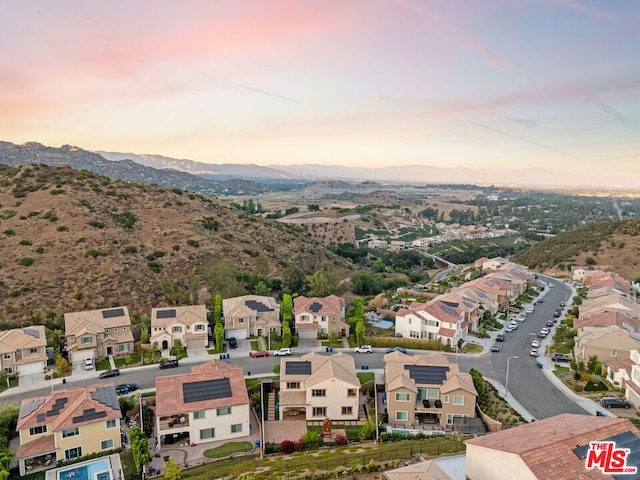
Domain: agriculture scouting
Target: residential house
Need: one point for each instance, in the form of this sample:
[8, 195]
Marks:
[619, 371]
[67, 424]
[627, 319]
[316, 387]
[187, 324]
[632, 384]
[209, 404]
[23, 350]
[555, 447]
[600, 279]
[316, 317]
[471, 308]
[488, 301]
[607, 343]
[427, 388]
[501, 289]
[251, 316]
[578, 272]
[397, 245]
[377, 244]
[435, 320]
[98, 333]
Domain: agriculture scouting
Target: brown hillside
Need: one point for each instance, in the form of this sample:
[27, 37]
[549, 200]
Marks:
[66, 245]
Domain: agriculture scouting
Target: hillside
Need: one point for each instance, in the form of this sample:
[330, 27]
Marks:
[612, 245]
[73, 240]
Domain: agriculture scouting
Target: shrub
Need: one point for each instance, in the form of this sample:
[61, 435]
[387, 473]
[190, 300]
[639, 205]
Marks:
[129, 249]
[63, 228]
[286, 446]
[26, 261]
[39, 250]
[25, 242]
[578, 388]
[193, 243]
[155, 266]
[125, 219]
[8, 232]
[56, 191]
[340, 440]
[95, 253]
[96, 224]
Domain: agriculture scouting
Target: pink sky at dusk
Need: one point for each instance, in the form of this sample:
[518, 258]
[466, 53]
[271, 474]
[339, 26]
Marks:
[481, 83]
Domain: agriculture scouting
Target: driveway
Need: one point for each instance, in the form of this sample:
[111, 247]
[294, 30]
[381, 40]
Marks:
[30, 375]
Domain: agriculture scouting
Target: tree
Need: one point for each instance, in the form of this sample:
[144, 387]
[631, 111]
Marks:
[286, 335]
[366, 283]
[218, 332]
[368, 431]
[293, 279]
[145, 328]
[217, 309]
[478, 381]
[261, 288]
[139, 448]
[313, 207]
[590, 261]
[286, 308]
[173, 472]
[62, 366]
[360, 333]
[223, 278]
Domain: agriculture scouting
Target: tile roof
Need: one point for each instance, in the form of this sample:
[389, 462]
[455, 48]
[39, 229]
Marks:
[331, 305]
[237, 306]
[185, 315]
[19, 338]
[93, 321]
[447, 332]
[460, 381]
[170, 395]
[546, 446]
[39, 446]
[339, 365]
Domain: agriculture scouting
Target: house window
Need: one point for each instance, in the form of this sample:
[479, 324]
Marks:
[111, 423]
[70, 432]
[199, 328]
[106, 444]
[86, 339]
[177, 329]
[206, 433]
[115, 329]
[38, 430]
[445, 399]
[319, 411]
[458, 399]
[106, 330]
[318, 393]
[8, 369]
[72, 338]
[237, 428]
[402, 416]
[73, 453]
[304, 318]
[200, 414]
[323, 319]
[614, 353]
[403, 397]
[124, 329]
[413, 334]
[99, 348]
[123, 347]
[352, 392]
[223, 411]
[99, 336]
[347, 410]
[241, 320]
[7, 356]
[293, 385]
[433, 393]
[33, 351]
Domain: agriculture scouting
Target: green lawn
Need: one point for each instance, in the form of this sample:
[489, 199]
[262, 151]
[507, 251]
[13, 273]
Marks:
[13, 382]
[130, 360]
[103, 364]
[255, 345]
[564, 349]
[558, 371]
[472, 348]
[228, 449]
[366, 377]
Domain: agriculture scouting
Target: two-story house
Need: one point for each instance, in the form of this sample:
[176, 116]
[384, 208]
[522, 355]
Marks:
[188, 324]
[23, 350]
[98, 333]
[632, 384]
[67, 424]
[427, 388]
[316, 387]
[209, 404]
[315, 317]
[251, 316]
[437, 319]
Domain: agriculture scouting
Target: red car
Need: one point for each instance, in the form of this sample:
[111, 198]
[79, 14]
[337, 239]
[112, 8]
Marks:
[260, 353]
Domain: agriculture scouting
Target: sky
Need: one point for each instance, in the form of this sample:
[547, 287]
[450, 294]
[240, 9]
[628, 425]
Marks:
[480, 83]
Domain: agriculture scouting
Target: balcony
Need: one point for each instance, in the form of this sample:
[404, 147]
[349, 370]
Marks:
[429, 406]
[175, 422]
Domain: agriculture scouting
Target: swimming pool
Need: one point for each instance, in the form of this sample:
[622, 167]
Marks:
[98, 470]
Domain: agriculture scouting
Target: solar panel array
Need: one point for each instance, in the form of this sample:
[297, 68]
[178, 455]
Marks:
[106, 396]
[57, 406]
[451, 304]
[450, 310]
[427, 374]
[166, 313]
[206, 390]
[623, 440]
[118, 312]
[89, 414]
[315, 307]
[29, 408]
[297, 368]
[258, 306]
[33, 332]
[40, 417]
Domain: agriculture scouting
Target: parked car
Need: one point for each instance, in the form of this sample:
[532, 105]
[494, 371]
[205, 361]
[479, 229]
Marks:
[283, 352]
[169, 364]
[260, 353]
[521, 318]
[530, 309]
[549, 323]
[396, 349]
[558, 357]
[562, 304]
[550, 285]
[495, 348]
[500, 337]
[535, 344]
[540, 300]
[89, 364]
[514, 325]
[110, 373]
[509, 329]
[233, 343]
[363, 349]
[542, 334]
[613, 402]
[533, 352]
[126, 388]
[556, 314]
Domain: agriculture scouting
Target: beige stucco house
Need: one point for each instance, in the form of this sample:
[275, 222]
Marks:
[427, 388]
[67, 424]
[316, 317]
[23, 350]
[98, 333]
[251, 316]
[607, 343]
[209, 404]
[188, 324]
[316, 386]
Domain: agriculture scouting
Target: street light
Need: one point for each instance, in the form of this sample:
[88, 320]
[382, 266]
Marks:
[506, 383]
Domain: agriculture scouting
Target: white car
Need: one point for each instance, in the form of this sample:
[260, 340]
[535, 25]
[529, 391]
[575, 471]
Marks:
[283, 352]
[550, 285]
[514, 325]
[534, 352]
[521, 318]
[508, 329]
[530, 309]
[88, 364]
[535, 344]
[363, 349]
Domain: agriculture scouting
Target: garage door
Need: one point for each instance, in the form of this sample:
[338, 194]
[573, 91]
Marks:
[239, 334]
[308, 333]
[30, 369]
[195, 343]
[80, 355]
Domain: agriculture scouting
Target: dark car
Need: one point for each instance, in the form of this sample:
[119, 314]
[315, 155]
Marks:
[500, 337]
[549, 323]
[556, 314]
[174, 437]
[110, 373]
[233, 343]
[558, 357]
[397, 349]
[613, 402]
[126, 388]
[168, 364]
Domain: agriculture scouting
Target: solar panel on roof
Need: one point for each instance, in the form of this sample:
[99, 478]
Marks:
[315, 307]
[106, 396]
[623, 440]
[449, 310]
[166, 313]
[30, 407]
[258, 306]
[451, 304]
[206, 390]
[297, 368]
[89, 414]
[33, 332]
[118, 312]
[40, 417]
[427, 374]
